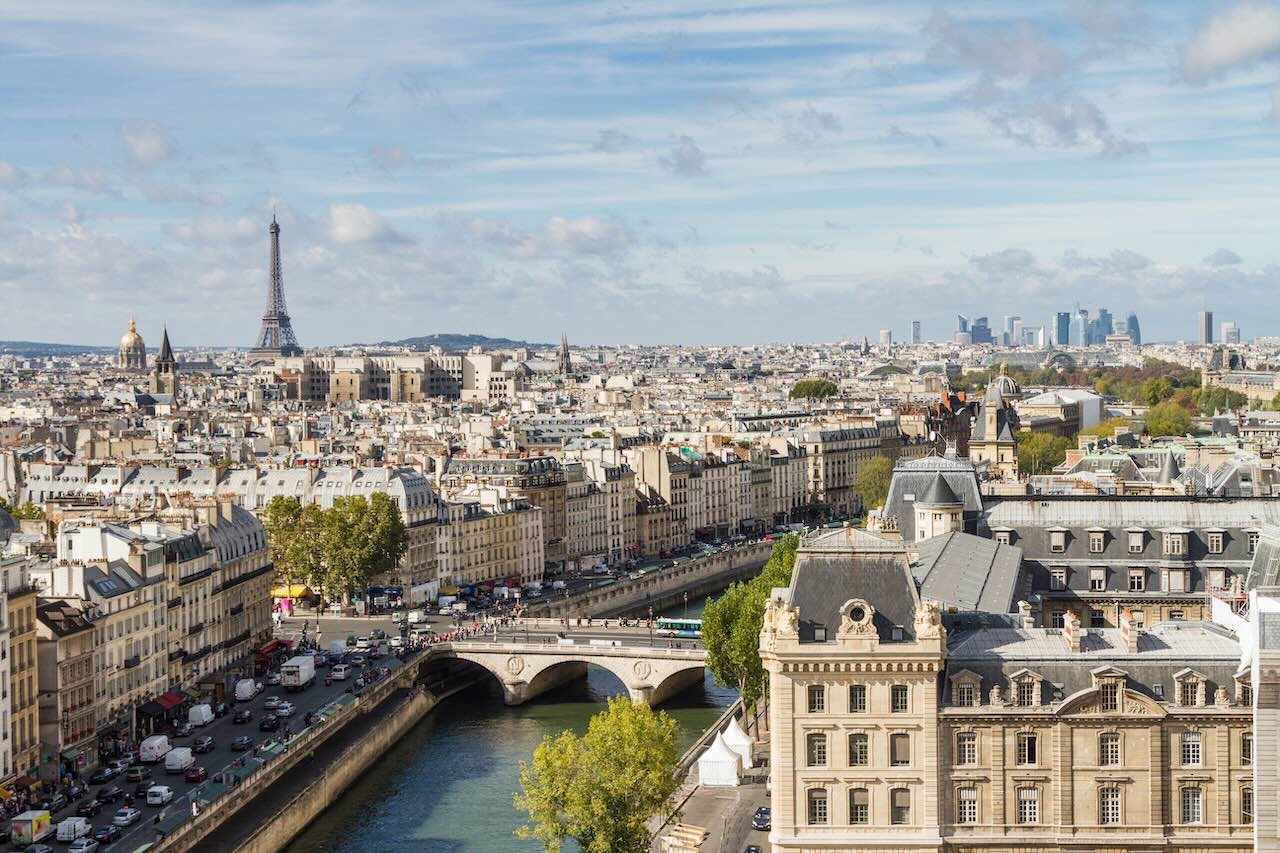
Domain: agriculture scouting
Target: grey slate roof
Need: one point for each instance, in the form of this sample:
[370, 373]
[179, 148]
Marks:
[939, 493]
[968, 572]
[1265, 569]
[912, 479]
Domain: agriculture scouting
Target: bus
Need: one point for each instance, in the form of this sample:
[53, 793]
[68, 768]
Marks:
[688, 628]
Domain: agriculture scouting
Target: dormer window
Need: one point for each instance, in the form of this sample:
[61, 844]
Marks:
[1097, 541]
[1214, 540]
[1025, 688]
[1109, 696]
[1175, 544]
[1191, 688]
[1057, 541]
[1002, 537]
[966, 688]
[1137, 541]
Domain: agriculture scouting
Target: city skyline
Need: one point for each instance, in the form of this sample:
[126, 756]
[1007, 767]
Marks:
[621, 174]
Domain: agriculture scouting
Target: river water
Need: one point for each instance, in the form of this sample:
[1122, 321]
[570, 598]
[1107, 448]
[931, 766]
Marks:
[448, 786]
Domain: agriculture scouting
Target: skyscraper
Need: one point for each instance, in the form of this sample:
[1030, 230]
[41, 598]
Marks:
[1230, 333]
[886, 337]
[1062, 328]
[275, 337]
[915, 332]
[1134, 330]
[1206, 327]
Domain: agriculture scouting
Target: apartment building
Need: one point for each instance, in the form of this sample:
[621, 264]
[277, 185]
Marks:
[670, 475]
[617, 483]
[897, 724]
[835, 455]
[484, 539]
[586, 518]
[20, 597]
[65, 644]
[539, 479]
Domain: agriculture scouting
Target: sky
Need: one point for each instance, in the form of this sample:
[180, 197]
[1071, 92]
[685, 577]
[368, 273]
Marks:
[671, 171]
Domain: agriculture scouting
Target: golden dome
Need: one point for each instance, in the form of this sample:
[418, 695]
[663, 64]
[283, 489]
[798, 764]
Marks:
[131, 338]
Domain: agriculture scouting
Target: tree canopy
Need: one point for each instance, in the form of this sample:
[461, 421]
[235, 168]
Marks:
[1040, 452]
[1167, 418]
[814, 389]
[1106, 428]
[1216, 399]
[872, 482]
[22, 512]
[731, 624]
[601, 789]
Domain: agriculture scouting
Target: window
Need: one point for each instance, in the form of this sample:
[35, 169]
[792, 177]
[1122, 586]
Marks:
[1058, 619]
[964, 695]
[1028, 805]
[1137, 580]
[1190, 805]
[1174, 544]
[1190, 749]
[1176, 615]
[816, 750]
[1244, 693]
[899, 750]
[1109, 805]
[966, 748]
[1097, 618]
[1137, 541]
[898, 699]
[966, 805]
[1058, 541]
[1109, 696]
[859, 806]
[1109, 749]
[1246, 805]
[1253, 541]
[1215, 542]
[858, 699]
[1097, 579]
[817, 699]
[1246, 748]
[1189, 693]
[1027, 743]
[1002, 537]
[1057, 578]
[900, 806]
[859, 750]
[1097, 541]
[818, 806]
[1217, 579]
[1026, 693]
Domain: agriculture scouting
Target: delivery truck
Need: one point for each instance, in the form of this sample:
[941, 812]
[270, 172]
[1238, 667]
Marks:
[30, 827]
[178, 759]
[246, 689]
[153, 749]
[200, 715]
[298, 673]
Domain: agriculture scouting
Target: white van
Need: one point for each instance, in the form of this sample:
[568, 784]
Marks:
[72, 828]
[246, 689]
[340, 672]
[178, 759]
[416, 616]
[153, 749]
[200, 715]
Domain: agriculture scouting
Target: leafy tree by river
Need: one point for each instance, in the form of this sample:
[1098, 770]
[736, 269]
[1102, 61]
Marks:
[601, 789]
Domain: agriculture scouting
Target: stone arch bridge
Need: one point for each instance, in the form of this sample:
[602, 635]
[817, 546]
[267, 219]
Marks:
[526, 670]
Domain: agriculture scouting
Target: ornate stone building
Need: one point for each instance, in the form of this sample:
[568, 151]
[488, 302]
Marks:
[899, 724]
[133, 352]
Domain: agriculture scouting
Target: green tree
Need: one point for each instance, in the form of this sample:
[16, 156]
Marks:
[814, 389]
[1039, 452]
[1167, 419]
[1106, 428]
[1275, 403]
[872, 482]
[601, 789]
[22, 512]
[731, 624]
[293, 536]
[360, 538]
[1218, 399]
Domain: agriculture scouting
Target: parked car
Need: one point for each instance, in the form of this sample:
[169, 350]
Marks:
[272, 703]
[285, 709]
[273, 679]
[158, 795]
[204, 743]
[183, 730]
[107, 833]
[119, 764]
[126, 817]
[55, 802]
[762, 819]
[110, 794]
[241, 744]
[269, 723]
[195, 774]
[88, 808]
[221, 709]
[38, 848]
[86, 844]
[137, 774]
[103, 774]
[244, 715]
[76, 791]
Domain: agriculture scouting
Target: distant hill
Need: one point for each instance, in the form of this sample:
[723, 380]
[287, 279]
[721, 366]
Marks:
[462, 342]
[34, 349]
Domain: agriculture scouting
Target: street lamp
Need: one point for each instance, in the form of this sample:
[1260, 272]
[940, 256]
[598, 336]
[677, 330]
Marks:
[686, 604]
[651, 627]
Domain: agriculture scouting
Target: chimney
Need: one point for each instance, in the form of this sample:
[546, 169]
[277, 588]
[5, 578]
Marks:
[1128, 631]
[1071, 630]
[224, 507]
[1024, 614]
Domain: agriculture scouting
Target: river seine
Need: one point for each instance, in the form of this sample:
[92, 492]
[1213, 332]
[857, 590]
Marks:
[448, 786]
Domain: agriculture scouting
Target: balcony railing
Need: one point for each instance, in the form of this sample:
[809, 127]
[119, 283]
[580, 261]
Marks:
[237, 610]
[131, 662]
[175, 601]
[195, 629]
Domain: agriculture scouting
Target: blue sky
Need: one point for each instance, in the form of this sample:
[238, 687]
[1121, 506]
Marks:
[675, 171]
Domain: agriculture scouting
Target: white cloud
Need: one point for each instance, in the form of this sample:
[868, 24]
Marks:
[1242, 35]
[11, 177]
[87, 180]
[1013, 50]
[1223, 258]
[1063, 120]
[149, 143]
[685, 159]
[612, 141]
[218, 229]
[355, 223]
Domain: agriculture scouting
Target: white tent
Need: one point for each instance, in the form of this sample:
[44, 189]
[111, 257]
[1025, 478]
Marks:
[739, 741]
[719, 765]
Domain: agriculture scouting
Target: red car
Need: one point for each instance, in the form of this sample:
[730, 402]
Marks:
[195, 774]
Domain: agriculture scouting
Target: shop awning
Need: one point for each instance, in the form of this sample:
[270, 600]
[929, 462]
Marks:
[169, 701]
[193, 697]
[70, 754]
[151, 708]
[293, 590]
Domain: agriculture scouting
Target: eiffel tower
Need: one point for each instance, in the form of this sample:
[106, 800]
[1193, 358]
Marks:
[275, 338]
